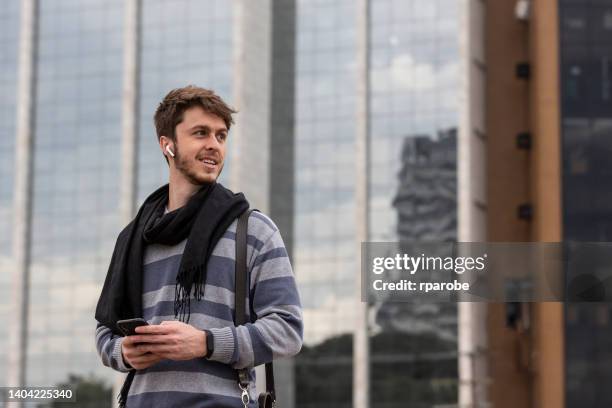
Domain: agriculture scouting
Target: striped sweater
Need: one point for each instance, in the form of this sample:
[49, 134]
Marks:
[276, 331]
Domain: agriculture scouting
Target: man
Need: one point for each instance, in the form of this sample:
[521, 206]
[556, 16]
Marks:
[173, 265]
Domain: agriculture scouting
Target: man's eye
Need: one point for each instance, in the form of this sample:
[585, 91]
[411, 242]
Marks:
[200, 132]
[222, 136]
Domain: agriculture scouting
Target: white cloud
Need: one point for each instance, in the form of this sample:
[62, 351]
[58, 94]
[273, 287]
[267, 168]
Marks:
[333, 317]
[404, 73]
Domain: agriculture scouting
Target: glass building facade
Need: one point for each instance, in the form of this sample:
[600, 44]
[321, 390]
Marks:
[324, 244]
[413, 57]
[9, 34]
[414, 77]
[414, 64]
[586, 126]
[183, 42]
[75, 193]
[77, 152]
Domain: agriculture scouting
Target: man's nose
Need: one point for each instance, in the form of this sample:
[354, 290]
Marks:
[212, 143]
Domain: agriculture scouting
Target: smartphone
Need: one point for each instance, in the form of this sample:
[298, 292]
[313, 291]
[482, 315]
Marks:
[128, 326]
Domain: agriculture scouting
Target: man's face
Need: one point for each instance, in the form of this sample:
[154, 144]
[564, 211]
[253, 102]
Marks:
[199, 149]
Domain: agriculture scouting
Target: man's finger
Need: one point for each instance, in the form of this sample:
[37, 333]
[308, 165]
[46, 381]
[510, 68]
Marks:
[153, 329]
[146, 359]
[150, 338]
[155, 349]
[173, 324]
[143, 358]
[128, 341]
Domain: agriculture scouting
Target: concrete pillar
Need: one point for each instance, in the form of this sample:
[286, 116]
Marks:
[129, 113]
[361, 360]
[281, 166]
[129, 128]
[22, 224]
[262, 140]
[508, 178]
[281, 169]
[472, 200]
[250, 136]
[549, 357]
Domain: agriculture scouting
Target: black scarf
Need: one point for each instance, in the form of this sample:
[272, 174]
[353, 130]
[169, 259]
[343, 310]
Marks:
[203, 220]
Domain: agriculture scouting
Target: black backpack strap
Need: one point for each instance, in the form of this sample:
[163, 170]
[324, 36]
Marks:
[241, 295]
[241, 267]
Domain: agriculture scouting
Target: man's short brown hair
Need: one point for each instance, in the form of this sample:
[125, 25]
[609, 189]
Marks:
[170, 111]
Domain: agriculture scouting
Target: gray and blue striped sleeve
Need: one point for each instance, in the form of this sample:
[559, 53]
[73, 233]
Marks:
[109, 348]
[277, 330]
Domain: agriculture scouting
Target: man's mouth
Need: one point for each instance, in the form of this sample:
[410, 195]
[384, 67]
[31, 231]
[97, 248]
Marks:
[209, 163]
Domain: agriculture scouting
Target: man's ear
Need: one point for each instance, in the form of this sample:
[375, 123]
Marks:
[164, 142]
[167, 146]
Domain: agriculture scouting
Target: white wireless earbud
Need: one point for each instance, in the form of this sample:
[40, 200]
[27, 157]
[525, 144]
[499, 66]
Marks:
[169, 151]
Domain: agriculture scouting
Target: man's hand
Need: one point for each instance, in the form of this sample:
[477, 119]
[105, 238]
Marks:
[172, 340]
[135, 357]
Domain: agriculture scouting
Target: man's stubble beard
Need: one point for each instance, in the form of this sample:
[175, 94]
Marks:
[182, 165]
